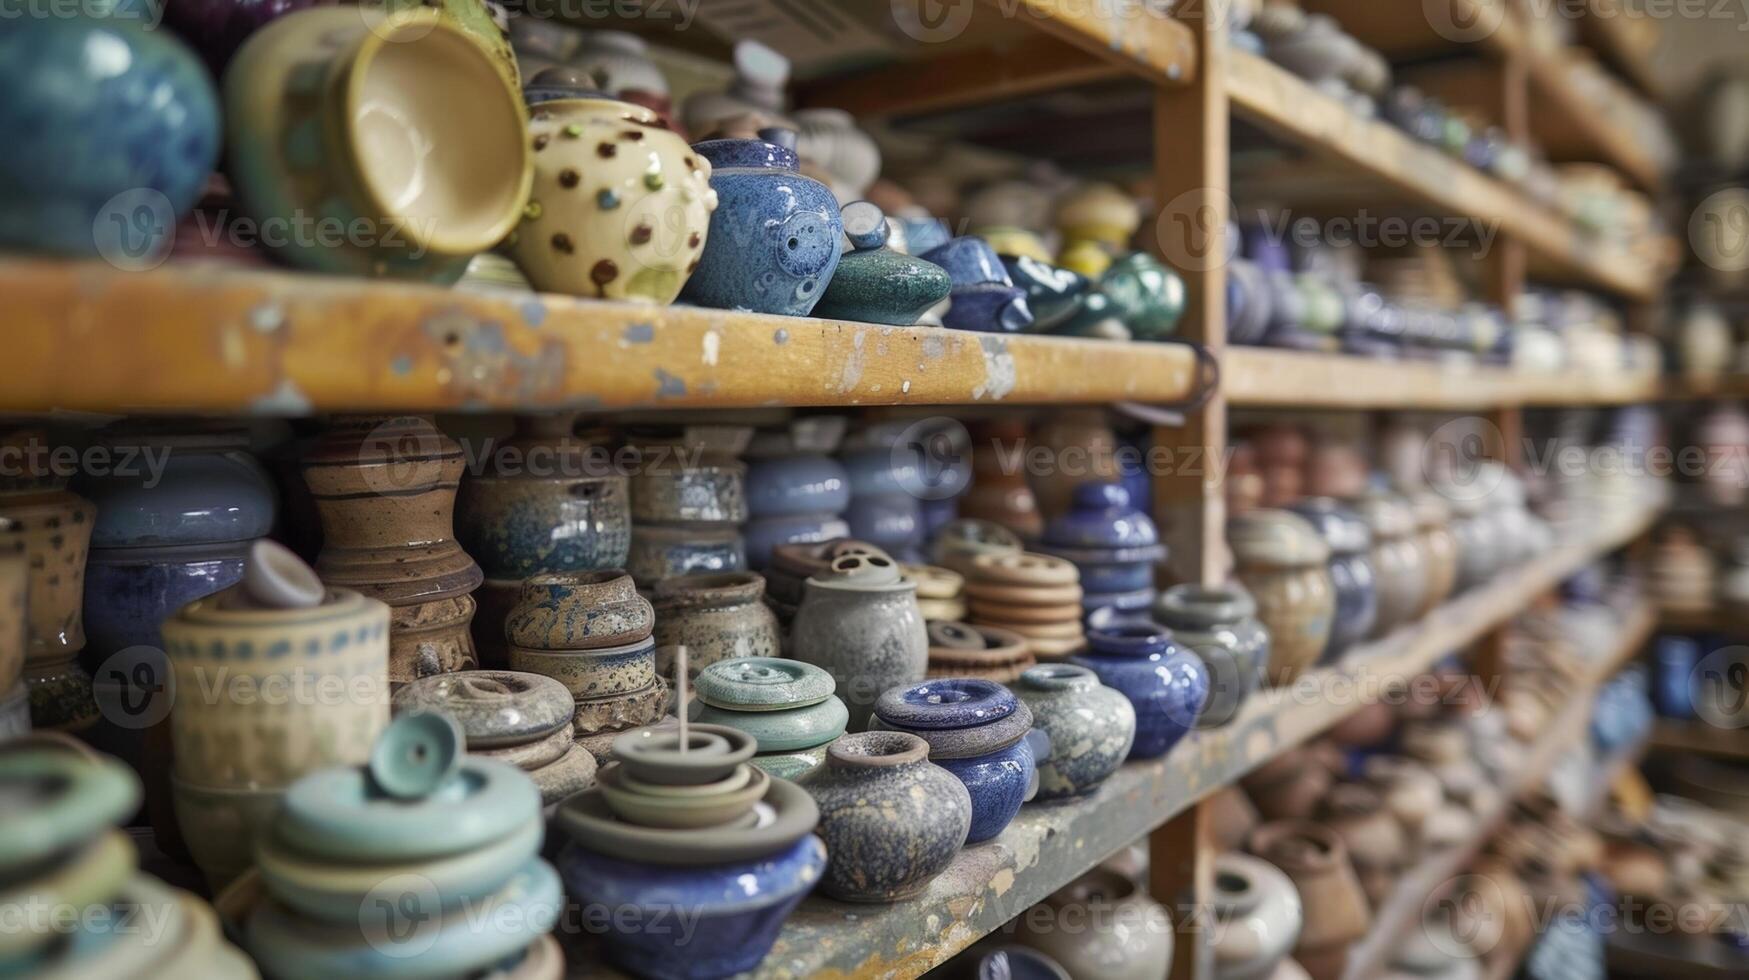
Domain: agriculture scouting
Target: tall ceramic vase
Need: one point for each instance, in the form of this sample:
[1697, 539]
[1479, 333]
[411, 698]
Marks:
[385, 488]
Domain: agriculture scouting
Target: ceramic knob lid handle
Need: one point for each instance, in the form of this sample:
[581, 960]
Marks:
[868, 570]
[955, 636]
[416, 754]
[276, 578]
[865, 225]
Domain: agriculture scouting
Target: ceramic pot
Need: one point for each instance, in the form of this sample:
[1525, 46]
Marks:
[1219, 624]
[1674, 659]
[1376, 841]
[1165, 683]
[1352, 576]
[1117, 931]
[385, 488]
[1439, 556]
[877, 284]
[333, 112]
[1258, 916]
[977, 730]
[1098, 213]
[999, 492]
[716, 617]
[1290, 786]
[777, 234]
[591, 631]
[1091, 727]
[1018, 963]
[1084, 448]
[219, 825]
[1398, 565]
[1317, 862]
[787, 706]
[710, 490]
[89, 147]
[53, 527]
[796, 492]
[1146, 295]
[859, 620]
[829, 141]
[891, 819]
[984, 298]
[660, 552]
[966, 650]
[1283, 563]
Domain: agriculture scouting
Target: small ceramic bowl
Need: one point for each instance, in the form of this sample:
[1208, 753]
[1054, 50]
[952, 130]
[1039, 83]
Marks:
[654, 756]
[704, 808]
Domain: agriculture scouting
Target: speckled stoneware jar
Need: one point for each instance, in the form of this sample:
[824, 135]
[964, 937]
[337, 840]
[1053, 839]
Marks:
[1219, 624]
[1091, 727]
[1123, 934]
[716, 617]
[1438, 549]
[786, 705]
[54, 528]
[979, 731]
[1400, 570]
[1351, 572]
[495, 708]
[385, 488]
[1257, 917]
[891, 819]
[860, 621]
[1281, 561]
[590, 631]
[1166, 683]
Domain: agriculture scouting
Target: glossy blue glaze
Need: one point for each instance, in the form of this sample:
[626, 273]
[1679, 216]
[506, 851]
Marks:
[945, 703]
[1116, 576]
[984, 298]
[998, 784]
[937, 514]
[879, 471]
[1351, 572]
[892, 522]
[762, 534]
[923, 234]
[1054, 294]
[803, 483]
[733, 910]
[976, 729]
[1165, 683]
[1673, 682]
[200, 496]
[92, 108]
[775, 238]
[129, 592]
[1101, 515]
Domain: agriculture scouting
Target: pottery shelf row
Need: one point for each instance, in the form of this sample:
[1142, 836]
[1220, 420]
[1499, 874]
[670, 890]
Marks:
[1671, 735]
[1050, 844]
[1403, 910]
[1260, 377]
[1713, 619]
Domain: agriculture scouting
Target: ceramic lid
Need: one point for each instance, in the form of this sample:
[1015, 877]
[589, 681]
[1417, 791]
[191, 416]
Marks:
[1341, 528]
[746, 154]
[1058, 677]
[654, 755]
[789, 730]
[763, 684]
[786, 815]
[805, 560]
[58, 799]
[950, 702]
[862, 573]
[494, 707]
[1264, 536]
[1101, 515]
[969, 741]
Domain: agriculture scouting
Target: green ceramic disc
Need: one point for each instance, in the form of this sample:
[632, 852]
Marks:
[338, 814]
[416, 754]
[763, 684]
[54, 799]
[781, 731]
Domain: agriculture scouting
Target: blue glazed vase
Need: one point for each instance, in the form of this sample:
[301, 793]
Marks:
[111, 129]
[984, 298]
[736, 909]
[1351, 572]
[775, 237]
[1166, 684]
[1102, 515]
[762, 535]
[1673, 687]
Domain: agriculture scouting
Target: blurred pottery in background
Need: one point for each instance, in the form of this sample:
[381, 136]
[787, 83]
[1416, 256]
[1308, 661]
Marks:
[1282, 562]
[1219, 624]
[1127, 935]
[984, 298]
[874, 283]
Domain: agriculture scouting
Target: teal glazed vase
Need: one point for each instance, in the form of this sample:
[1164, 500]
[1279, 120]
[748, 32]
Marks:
[877, 284]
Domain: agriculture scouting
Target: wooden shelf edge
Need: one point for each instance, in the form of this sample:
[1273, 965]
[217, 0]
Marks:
[1137, 36]
[1260, 376]
[1671, 735]
[201, 338]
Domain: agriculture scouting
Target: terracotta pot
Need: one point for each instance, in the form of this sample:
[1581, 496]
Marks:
[385, 488]
[1317, 862]
[1289, 786]
[1282, 563]
[1335, 469]
[1374, 838]
[1102, 925]
[53, 527]
[716, 617]
[1410, 791]
[1235, 816]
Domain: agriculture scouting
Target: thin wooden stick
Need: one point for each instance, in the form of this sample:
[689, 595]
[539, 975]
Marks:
[680, 674]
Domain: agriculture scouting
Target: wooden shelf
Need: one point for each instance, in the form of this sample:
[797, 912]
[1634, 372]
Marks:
[1284, 104]
[87, 337]
[1710, 620]
[1608, 27]
[1699, 737]
[1050, 844]
[1260, 376]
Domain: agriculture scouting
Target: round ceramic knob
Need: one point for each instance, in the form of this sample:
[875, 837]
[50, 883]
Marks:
[496, 708]
[952, 702]
[763, 684]
[955, 636]
[416, 754]
[863, 570]
[277, 578]
[57, 800]
[1025, 568]
[865, 225]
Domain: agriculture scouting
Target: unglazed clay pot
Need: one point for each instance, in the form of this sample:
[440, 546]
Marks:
[621, 206]
[999, 491]
[386, 489]
[716, 617]
[1257, 917]
[53, 527]
[1091, 727]
[401, 124]
[1398, 563]
[1351, 572]
[1289, 786]
[892, 820]
[1337, 914]
[1439, 557]
[1119, 931]
[1219, 624]
[1282, 562]
[1166, 683]
[859, 620]
[1376, 841]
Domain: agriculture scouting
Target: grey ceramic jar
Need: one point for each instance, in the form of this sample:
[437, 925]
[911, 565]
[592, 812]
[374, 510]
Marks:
[1091, 727]
[718, 616]
[1220, 624]
[860, 621]
[892, 820]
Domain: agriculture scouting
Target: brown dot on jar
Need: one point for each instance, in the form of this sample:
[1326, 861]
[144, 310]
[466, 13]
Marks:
[691, 267]
[540, 142]
[692, 240]
[606, 150]
[691, 164]
[632, 134]
[641, 235]
[603, 272]
[568, 178]
[562, 243]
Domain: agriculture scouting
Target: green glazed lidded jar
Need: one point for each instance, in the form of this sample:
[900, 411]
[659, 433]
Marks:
[787, 706]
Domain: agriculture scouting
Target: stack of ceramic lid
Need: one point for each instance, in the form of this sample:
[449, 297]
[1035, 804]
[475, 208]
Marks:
[1112, 542]
[793, 564]
[965, 539]
[521, 720]
[940, 591]
[796, 491]
[65, 863]
[14, 583]
[689, 499]
[968, 650]
[786, 705]
[591, 632]
[426, 862]
[687, 826]
[1037, 596]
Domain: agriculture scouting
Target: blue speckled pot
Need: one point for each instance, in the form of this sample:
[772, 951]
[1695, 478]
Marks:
[979, 731]
[1166, 684]
[94, 108]
[734, 910]
[659, 552]
[984, 298]
[998, 784]
[776, 236]
[1351, 572]
[802, 483]
[1090, 726]
[1673, 687]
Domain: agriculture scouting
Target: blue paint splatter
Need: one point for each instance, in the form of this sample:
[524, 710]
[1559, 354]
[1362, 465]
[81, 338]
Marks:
[669, 386]
[639, 333]
[534, 312]
[402, 365]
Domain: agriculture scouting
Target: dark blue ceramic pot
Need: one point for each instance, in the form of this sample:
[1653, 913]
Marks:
[111, 130]
[802, 483]
[1166, 684]
[776, 236]
[1101, 515]
[1673, 687]
[1351, 571]
[762, 534]
[984, 298]
[734, 910]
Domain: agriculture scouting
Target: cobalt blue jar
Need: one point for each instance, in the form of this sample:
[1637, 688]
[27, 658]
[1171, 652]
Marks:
[1351, 572]
[1166, 684]
[775, 237]
[1673, 682]
[979, 731]
[1113, 543]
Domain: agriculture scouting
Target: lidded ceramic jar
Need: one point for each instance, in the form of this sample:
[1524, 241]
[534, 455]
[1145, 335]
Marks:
[968, 650]
[891, 819]
[1398, 565]
[1166, 683]
[796, 492]
[859, 620]
[1351, 572]
[878, 284]
[1336, 910]
[1438, 547]
[1282, 562]
[1091, 727]
[591, 632]
[1257, 917]
[716, 617]
[1112, 543]
[786, 705]
[778, 234]
[793, 564]
[979, 731]
[339, 114]
[518, 719]
[547, 501]
[1219, 624]
[1104, 925]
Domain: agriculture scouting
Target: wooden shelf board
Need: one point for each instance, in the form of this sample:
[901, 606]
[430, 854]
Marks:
[1050, 844]
[1713, 619]
[1284, 104]
[87, 337]
[1699, 737]
[1260, 376]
